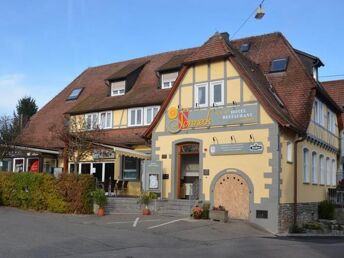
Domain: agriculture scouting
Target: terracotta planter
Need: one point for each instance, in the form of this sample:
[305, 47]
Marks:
[101, 212]
[146, 211]
[196, 216]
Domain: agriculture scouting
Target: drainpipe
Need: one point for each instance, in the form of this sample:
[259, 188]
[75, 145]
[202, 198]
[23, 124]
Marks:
[300, 139]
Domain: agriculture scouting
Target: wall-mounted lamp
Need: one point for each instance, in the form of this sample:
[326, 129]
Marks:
[233, 139]
[252, 138]
[215, 140]
[235, 103]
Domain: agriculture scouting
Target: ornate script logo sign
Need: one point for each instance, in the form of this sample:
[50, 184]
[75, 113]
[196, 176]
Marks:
[183, 119]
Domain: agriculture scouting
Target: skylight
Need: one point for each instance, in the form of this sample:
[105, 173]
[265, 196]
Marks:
[244, 47]
[75, 94]
[279, 65]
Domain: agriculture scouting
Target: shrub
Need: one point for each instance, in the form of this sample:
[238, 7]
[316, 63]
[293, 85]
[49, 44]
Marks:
[45, 192]
[312, 225]
[205, 212]
[326, 210]
[99, 197]
[296, 229]
[146, 198]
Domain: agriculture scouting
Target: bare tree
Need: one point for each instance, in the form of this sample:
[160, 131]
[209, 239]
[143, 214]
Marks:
[9, 131]
[79, 141]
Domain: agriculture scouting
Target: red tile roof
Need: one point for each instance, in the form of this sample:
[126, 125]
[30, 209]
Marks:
[295, 87]
[336, 91]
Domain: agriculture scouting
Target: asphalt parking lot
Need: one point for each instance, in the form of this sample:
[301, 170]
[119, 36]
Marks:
[32, 234]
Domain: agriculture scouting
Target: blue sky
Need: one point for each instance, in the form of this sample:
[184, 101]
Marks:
[45, 44]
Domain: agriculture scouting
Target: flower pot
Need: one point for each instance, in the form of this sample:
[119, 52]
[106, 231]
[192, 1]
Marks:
[146, 211]
[218, 215]
[101, 212]
[197, 216]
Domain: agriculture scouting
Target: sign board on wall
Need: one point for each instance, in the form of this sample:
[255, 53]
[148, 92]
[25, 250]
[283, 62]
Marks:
[177, 120]
[152, 176]
[103, 154]
[236, 148]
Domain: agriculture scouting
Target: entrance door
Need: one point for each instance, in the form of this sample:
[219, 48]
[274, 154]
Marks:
[232, 192]
[187, 174]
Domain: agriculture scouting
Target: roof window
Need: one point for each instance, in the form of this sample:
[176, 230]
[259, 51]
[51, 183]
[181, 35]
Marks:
[244, 47]
[279, 65]
[75, 94]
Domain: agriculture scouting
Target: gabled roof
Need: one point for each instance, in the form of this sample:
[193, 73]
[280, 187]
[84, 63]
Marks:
[213, 48]
[287, 96]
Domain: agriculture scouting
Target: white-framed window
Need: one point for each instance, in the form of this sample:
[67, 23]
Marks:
[150, 113]
[305, 165]
[322, 169]
[135, 116]
[105, 120]
[314, 168]
[290, 152]
[319, 112]
[217, 93]
[91, 121]
[334, 172]
[201, 95]
[167, 80]
[118, 88]
[18, 165]
[328, 171]
[331, 121]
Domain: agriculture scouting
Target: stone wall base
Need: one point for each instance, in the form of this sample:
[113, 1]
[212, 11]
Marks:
[306, 212]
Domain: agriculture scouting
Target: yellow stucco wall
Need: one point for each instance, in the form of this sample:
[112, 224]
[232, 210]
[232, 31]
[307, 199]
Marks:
[184, 98]
[307, 192]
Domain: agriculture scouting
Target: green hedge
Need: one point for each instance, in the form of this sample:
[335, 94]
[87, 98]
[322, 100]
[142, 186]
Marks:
[67, 194]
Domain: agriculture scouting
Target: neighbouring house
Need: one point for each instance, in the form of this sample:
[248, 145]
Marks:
[244, 124]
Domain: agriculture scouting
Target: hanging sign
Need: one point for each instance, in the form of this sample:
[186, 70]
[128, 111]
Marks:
[183, 119]
[236, 148]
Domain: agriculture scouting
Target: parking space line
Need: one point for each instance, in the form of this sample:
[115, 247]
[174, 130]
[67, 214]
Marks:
[124, 222]
[169, 222]
[136, 221]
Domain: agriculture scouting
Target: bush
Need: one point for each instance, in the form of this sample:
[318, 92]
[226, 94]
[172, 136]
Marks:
[45, 192]
[326, 210]
[99, 197]
[205, 212]
[312, 225]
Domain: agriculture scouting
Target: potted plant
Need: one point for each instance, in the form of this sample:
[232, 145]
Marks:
[197, 212]
[145, 199]
[218, 214]
[99, 199]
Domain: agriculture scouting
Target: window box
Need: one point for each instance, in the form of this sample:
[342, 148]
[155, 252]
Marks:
[218, 215]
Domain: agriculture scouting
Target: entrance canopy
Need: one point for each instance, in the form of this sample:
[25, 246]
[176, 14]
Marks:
[131, 153]
[127, 152]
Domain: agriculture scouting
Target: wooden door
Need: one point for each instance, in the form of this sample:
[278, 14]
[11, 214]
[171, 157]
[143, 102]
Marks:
[232, 192]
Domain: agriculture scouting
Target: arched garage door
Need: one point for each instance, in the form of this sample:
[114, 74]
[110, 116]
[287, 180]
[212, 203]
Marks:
[232, 192]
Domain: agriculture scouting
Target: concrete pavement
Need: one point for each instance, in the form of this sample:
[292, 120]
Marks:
[32, 234]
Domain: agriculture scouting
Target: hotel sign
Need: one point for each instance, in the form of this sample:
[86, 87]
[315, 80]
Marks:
[183, 119]
[103, 154]
[236, 148]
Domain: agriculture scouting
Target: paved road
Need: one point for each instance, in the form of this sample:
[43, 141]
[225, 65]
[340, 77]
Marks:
[31, 234]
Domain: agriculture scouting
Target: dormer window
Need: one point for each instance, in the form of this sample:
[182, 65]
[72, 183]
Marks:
[167, 79]
[75, 94]
[279, 65]
[244, 47]
[118, 88]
